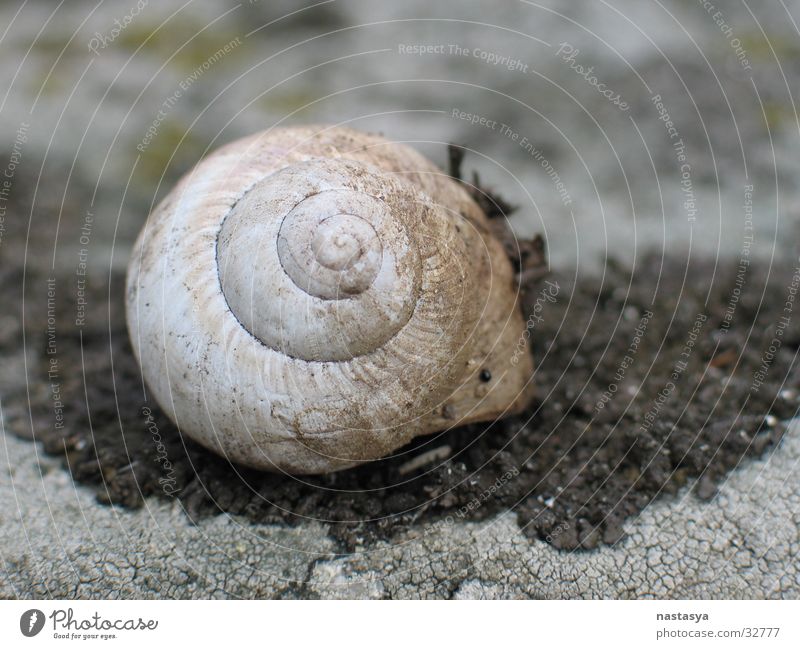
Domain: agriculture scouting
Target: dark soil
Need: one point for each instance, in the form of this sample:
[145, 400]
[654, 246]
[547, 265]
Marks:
[572, 470]
[573, 473]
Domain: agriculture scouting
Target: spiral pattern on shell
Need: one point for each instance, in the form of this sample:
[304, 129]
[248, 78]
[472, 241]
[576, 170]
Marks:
[306, 300]
[344, 267]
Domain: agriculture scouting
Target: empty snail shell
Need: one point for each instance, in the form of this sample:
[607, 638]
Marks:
[308, 299]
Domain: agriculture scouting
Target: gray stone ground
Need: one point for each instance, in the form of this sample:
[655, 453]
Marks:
[57, 542]
[87, 112]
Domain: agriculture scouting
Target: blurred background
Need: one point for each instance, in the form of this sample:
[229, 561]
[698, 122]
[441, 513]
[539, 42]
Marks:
[614, 127]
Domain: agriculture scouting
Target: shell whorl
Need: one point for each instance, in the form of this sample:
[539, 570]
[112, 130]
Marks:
[320, 267]
[307, 300]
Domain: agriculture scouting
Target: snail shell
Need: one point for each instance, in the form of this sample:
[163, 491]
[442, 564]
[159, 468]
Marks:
[308, 299]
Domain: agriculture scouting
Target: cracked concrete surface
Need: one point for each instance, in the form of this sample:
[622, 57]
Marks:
[56, 542]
